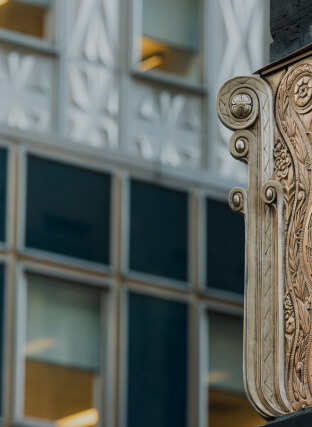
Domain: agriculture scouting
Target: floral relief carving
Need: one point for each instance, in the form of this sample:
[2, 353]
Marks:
[282, 159]
[168, 128]
[293, 160]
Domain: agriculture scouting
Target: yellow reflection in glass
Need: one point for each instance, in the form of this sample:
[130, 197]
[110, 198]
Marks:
[86, 418]
[39, 346]
[3, 2]
[155, 54]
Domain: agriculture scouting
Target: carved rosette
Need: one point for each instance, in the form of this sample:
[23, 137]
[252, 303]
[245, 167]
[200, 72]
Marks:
[274, 138]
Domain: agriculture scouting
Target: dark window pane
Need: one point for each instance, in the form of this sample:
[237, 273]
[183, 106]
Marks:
[159, 231]
[157, 365]
[68, 210]
[3, 191]
[2, 294]
[225, 247]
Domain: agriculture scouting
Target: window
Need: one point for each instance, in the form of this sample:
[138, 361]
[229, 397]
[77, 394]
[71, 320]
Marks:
[171, 37]
[159, 231]
[227, 401]
[225, 248]
[68, 210]
[30, 17]
[157, 362]
[62, 351]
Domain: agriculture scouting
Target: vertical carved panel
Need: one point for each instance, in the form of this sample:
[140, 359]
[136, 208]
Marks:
[168, 126]
[26, 88]
[93, 105]
[278, 211]
[245, 104]
[293, 166]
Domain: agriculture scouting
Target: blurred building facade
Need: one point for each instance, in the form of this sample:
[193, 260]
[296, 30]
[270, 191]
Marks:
[121, 264]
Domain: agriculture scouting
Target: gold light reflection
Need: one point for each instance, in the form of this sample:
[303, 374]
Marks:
[151, 62]
[216, 377]
[39, 345]
[3, 2]
[153, 53]
[86, 418]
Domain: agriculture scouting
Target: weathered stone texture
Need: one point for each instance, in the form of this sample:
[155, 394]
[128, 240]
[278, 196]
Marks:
[291, 26]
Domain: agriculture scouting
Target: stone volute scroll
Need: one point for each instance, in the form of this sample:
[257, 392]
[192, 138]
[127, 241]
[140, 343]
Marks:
[271, 117]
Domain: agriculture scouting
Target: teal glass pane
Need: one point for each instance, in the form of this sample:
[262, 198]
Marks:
[174, 22]
[68, 210]
[159, 231]
[225, 248]
[157, 362]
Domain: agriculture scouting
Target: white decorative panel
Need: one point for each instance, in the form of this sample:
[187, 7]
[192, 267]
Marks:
[241, 51]
[26, 88]
[243, 31]
[167, 125]
[94, 30]
[93, 105]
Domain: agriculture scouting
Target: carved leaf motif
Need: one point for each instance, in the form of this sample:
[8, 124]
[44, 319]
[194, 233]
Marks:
[304, 316]
[298, 386]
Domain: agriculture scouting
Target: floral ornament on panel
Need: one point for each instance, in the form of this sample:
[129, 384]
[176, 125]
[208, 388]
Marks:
[303, 91]
[25, 91]
[94, 105]
[94, 34]
[178, 124]
[282, 159]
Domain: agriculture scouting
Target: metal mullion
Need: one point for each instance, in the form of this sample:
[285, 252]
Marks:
[20, 300]
[175, 294]
[203, 365]
[66, 274]
[193, 360]
[121, 418]
[104, 398]
[21, 200]
[171, 80]
[60, 260]
[7, 368]
[28, 42]
[116, 222]
[193, 237]
[10, 308]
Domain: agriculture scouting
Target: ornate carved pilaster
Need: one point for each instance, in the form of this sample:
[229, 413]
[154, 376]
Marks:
[272, 120]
